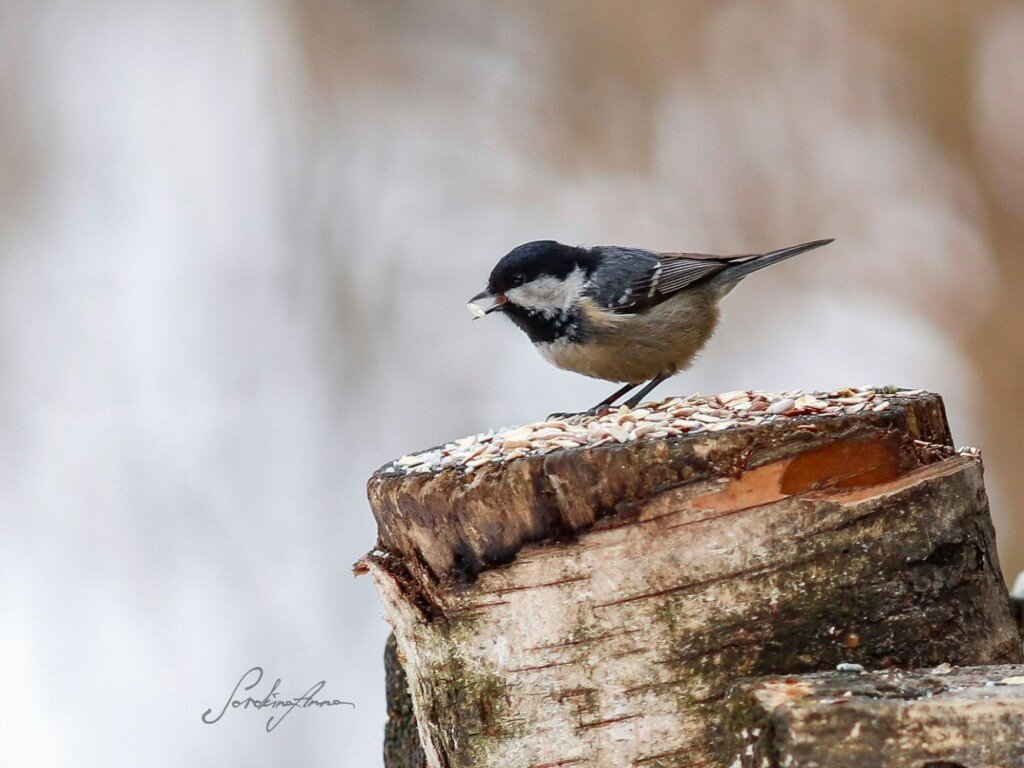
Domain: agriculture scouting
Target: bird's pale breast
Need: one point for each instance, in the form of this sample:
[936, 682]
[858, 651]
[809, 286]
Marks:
[637, 347]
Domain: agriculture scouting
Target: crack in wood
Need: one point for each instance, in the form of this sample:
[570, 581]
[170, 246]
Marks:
[527, 587]
[607, 722]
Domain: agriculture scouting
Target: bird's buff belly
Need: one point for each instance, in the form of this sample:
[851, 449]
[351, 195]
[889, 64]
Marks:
[612, 361]
[634, 351]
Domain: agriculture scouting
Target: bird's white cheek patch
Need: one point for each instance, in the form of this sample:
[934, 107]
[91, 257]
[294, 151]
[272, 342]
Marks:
[549, 294]
[542, 293]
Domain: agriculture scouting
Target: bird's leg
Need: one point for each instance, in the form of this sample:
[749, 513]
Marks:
[613, 397]
[636, 399]
[603, 404]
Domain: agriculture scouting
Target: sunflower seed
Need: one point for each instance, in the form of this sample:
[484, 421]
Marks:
[781, 406]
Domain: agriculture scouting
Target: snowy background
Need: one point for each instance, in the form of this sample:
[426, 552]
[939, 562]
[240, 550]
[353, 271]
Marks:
[236, 239]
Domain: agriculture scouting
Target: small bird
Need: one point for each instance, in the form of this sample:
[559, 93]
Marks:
[619, 314]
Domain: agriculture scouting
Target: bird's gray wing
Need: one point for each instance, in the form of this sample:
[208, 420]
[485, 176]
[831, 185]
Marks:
[632, 280]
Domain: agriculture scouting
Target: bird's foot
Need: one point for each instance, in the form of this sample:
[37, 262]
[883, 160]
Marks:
[559, 416]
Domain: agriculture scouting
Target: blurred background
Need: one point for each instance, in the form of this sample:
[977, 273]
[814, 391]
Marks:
[236, 239]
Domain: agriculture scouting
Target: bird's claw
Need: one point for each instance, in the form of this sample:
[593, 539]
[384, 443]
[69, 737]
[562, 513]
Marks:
[559, 416]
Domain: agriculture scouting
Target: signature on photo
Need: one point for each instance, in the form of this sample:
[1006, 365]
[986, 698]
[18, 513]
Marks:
[272, 700]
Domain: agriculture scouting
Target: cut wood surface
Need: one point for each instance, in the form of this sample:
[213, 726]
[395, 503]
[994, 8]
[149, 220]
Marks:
[590, 606]
[969, 717]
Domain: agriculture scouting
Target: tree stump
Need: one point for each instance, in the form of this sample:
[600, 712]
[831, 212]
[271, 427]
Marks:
[584, 593]
[968, 717]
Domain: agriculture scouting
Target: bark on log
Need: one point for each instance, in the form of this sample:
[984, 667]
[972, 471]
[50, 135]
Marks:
[969, 717]
[591, 606]
[402, 748]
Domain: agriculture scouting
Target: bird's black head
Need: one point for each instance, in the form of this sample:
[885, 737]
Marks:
[538, 285]
[529, 262]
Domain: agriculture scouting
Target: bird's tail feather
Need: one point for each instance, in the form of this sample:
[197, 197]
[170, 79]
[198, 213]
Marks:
[732, 275]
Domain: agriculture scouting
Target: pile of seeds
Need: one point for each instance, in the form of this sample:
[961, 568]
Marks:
[667, 418]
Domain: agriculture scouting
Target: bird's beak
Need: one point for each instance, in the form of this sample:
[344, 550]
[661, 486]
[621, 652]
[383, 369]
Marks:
[478, 311]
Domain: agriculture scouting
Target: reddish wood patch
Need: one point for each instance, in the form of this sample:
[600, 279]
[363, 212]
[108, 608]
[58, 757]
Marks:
[843, 464]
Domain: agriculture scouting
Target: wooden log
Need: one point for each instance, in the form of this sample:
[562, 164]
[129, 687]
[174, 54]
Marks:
[589, 606]
[967, 717]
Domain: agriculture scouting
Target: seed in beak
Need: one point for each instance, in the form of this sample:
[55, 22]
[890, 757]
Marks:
[479, 311]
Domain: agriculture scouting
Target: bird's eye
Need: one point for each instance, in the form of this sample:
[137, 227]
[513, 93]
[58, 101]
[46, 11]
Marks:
[518, 279]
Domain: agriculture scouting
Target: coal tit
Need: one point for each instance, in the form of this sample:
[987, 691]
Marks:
[619, 314]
